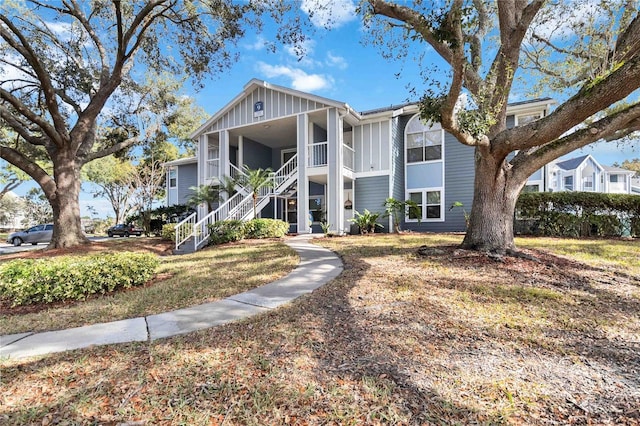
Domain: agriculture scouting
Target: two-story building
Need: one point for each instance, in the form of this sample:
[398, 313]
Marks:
[329, 161]
[583, 173]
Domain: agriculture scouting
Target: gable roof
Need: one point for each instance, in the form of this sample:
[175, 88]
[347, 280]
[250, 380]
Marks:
[254, 84]
[613, 169]
[572, 163]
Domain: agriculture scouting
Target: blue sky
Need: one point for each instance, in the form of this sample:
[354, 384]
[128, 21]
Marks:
[338, 65]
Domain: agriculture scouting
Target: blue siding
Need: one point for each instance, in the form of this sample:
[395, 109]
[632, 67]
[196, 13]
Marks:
[187, 177]
[256, 155]
[370, 194]
[459, 172]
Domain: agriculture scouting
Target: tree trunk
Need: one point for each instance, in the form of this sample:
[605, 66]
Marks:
[491, 221]
[67, 227]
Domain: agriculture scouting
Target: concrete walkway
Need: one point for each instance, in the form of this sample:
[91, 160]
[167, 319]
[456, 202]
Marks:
[317, 267]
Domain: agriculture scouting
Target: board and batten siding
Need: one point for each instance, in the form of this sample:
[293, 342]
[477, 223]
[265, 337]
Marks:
[459, 173]
[275, 104]
[370, 194]
[371, 143]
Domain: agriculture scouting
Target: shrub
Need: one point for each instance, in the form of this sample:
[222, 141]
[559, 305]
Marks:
[266, 228]
[578, 214]
[71, 277]
[169, 231]
[367, 221]
[226, 231]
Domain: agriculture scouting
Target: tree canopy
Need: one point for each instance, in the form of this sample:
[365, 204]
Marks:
[589, 54]
[73, 83]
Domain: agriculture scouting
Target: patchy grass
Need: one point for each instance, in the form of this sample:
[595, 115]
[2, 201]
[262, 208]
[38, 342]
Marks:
[619, 255]
[210, 274]
[448, 338]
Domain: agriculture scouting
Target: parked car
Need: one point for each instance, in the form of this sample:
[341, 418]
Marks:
[34, 235]
[124, 230]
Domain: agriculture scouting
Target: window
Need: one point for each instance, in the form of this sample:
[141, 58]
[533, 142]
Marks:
[423, 141]
[528, 118]
[315, 208]
[416, 197]
[429, 205]
[613, 178]
[568, 183]
[173, 177]
[588, 184]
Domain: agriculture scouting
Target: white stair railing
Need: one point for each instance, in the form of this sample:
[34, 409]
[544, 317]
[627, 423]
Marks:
[239, 206]
[184, 229]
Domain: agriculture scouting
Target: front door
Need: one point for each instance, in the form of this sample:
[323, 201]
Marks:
[287, 154]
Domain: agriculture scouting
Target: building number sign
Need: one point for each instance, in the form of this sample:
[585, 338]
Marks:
[258, 109]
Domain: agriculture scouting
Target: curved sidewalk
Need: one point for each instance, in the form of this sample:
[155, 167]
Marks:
[317, 267]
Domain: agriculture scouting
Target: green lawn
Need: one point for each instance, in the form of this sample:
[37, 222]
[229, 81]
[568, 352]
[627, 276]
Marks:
[450, 337]
[210, 274]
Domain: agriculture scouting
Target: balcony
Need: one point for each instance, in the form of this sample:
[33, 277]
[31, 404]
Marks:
[318, 156]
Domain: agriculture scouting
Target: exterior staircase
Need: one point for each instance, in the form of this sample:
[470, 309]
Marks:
[193, 234]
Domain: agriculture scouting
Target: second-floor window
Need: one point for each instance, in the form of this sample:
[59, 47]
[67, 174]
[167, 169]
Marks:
[424, 141]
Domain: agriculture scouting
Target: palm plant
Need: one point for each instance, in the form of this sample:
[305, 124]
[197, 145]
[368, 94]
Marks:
[208, 194]
[397, 209]
[254, 180]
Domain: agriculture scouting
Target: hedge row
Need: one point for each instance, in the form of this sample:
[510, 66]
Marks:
[27, 281]
[227, 231]
[578, 214]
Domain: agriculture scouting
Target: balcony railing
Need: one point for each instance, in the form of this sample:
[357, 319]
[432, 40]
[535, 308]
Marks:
[348, 155]
[318, 154]
[213, 168]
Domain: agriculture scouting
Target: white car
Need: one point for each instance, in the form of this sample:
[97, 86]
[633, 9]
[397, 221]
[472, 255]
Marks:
[34, 235]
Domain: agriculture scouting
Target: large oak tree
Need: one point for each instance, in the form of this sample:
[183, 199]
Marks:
[586, 51]
[71, 67]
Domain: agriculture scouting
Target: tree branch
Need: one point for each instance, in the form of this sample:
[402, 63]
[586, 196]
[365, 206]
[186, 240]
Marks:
[111, 150]
[22, 129]
[592, 98]
[24, 49]
[420, 24]
[611, 127]
[31, 168]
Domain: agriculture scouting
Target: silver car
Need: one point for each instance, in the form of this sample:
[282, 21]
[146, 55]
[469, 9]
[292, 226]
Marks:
[34, 235]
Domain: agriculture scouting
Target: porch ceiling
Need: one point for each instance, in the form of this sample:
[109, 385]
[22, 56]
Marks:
[274, 133]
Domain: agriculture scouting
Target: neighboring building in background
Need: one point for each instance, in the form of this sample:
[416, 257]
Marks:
[330, 161]
[582, 173]
[12, 213]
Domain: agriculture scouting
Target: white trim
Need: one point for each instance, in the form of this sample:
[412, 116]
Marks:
[424, 206]
[181, 161]
[371, 174]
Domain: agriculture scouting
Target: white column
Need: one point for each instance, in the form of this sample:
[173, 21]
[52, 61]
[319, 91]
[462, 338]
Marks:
[202, 158]
[335, 179]
[224, 154]
[303, 180]
[240, 151]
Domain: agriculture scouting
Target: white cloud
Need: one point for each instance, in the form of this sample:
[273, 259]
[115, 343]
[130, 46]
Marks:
[329, 13]
[336, 61]
[558, 22]
[257, 45]
[306, 47]
[300, 80]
